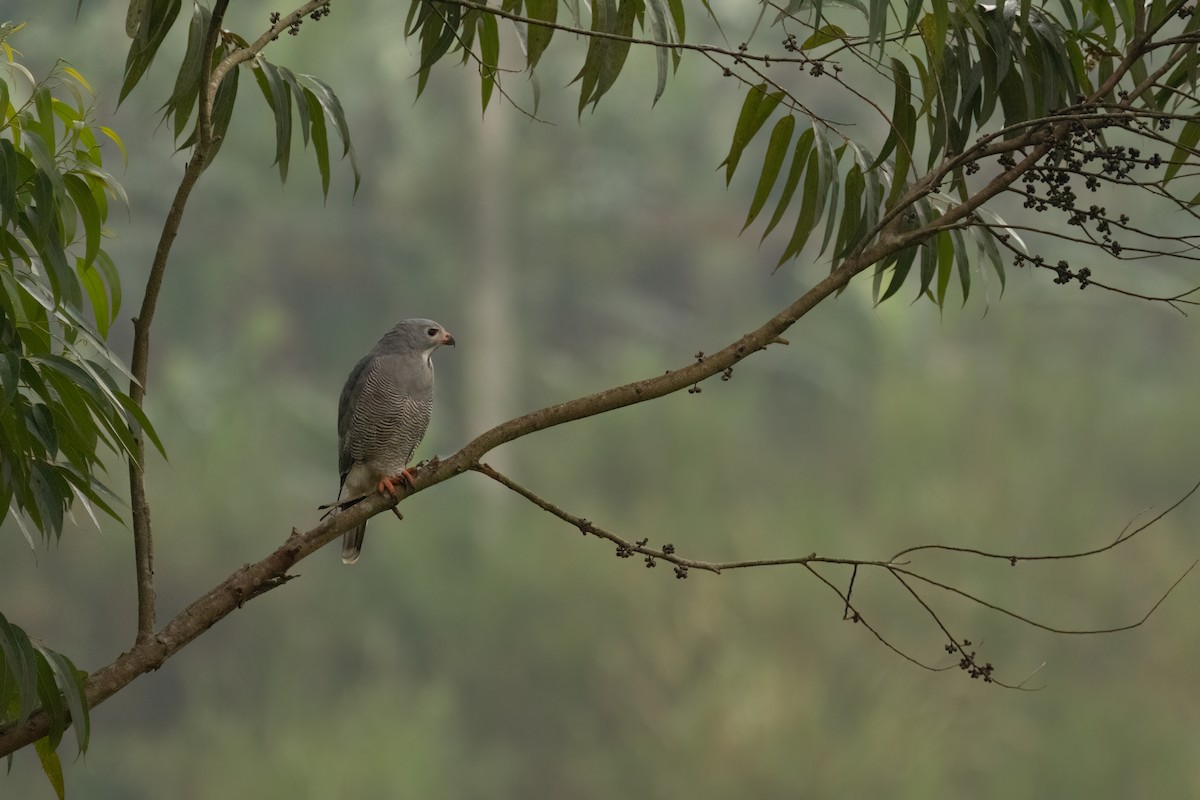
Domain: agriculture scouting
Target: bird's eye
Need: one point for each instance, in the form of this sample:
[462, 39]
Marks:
[432, 331]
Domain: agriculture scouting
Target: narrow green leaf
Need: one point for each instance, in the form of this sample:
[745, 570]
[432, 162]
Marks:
[756, 109]
[276, 93]
[810, 210]
[187, 81]
[43, 156]
[538, 36]
[333, 108]
[606, 57]
[20, 663]
[108, 271]
[904, 262]
[962, 263]
[9, 164]
[679, 19]
[822, 36]
[85, 206]
[320, 139]
[1185, 149]
[93, 286]
[51, 766]
[902, 94]
[51, 699]
[70, 681]
[153, 22]
[777, 146]
[489, 53]
[851, 216]
[142, 422]
[799, 161]
[928, 252]
[437, 36]
[945, 265]
[657, 14]
[302, 110]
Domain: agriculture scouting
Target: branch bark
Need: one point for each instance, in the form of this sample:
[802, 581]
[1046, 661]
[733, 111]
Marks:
[143, 541]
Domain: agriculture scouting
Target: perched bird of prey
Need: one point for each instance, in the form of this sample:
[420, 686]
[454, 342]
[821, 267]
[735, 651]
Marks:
[383, 413]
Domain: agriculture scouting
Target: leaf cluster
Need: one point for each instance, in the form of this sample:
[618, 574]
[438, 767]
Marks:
[609, 26]
[60, 408]
[33, 674]
[303, 102]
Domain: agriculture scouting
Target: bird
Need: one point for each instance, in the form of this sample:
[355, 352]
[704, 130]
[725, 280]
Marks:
[383, 413]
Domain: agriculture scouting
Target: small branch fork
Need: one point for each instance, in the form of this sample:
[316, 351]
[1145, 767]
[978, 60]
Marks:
[143, 544]
[896, 566]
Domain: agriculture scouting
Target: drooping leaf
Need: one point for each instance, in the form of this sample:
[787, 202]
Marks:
[333, 109]
[187, 81]
[756, 109]
[489, 54]
[777, 147]
[153, 21]
[70, 681]
[1185, 149]
[799, 161]
[538, 36]
[320, 139]
[20, 663]
[51, 766]
[278, 98]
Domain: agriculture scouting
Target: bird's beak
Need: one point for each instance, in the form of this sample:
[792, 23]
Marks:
[447, 338]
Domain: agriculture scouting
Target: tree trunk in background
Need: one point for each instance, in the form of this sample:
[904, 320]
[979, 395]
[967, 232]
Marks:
[491, 363]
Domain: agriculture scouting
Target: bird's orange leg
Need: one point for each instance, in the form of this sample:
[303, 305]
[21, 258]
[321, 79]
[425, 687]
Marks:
[387, 484]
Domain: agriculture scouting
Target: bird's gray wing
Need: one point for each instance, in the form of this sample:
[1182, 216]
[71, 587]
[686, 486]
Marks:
[346, 405]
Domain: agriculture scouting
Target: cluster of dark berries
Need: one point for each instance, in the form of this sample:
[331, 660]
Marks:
[1049, 185]
[967, 663]
[624, 551]
[790, 44]
[1065, 275]
[1062, 269]
[294, 29]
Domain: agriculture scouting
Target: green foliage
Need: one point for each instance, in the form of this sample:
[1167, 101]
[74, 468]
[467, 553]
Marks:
[962, 76]
[60, 408]
[32, 674]
[310, 99]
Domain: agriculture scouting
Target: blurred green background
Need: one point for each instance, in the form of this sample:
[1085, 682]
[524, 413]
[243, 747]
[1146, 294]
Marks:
[483, 649]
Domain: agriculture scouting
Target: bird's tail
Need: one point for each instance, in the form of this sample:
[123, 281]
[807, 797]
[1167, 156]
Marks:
[352, 544]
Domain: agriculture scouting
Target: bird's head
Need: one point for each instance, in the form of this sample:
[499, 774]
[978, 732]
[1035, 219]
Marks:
[417, 335]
